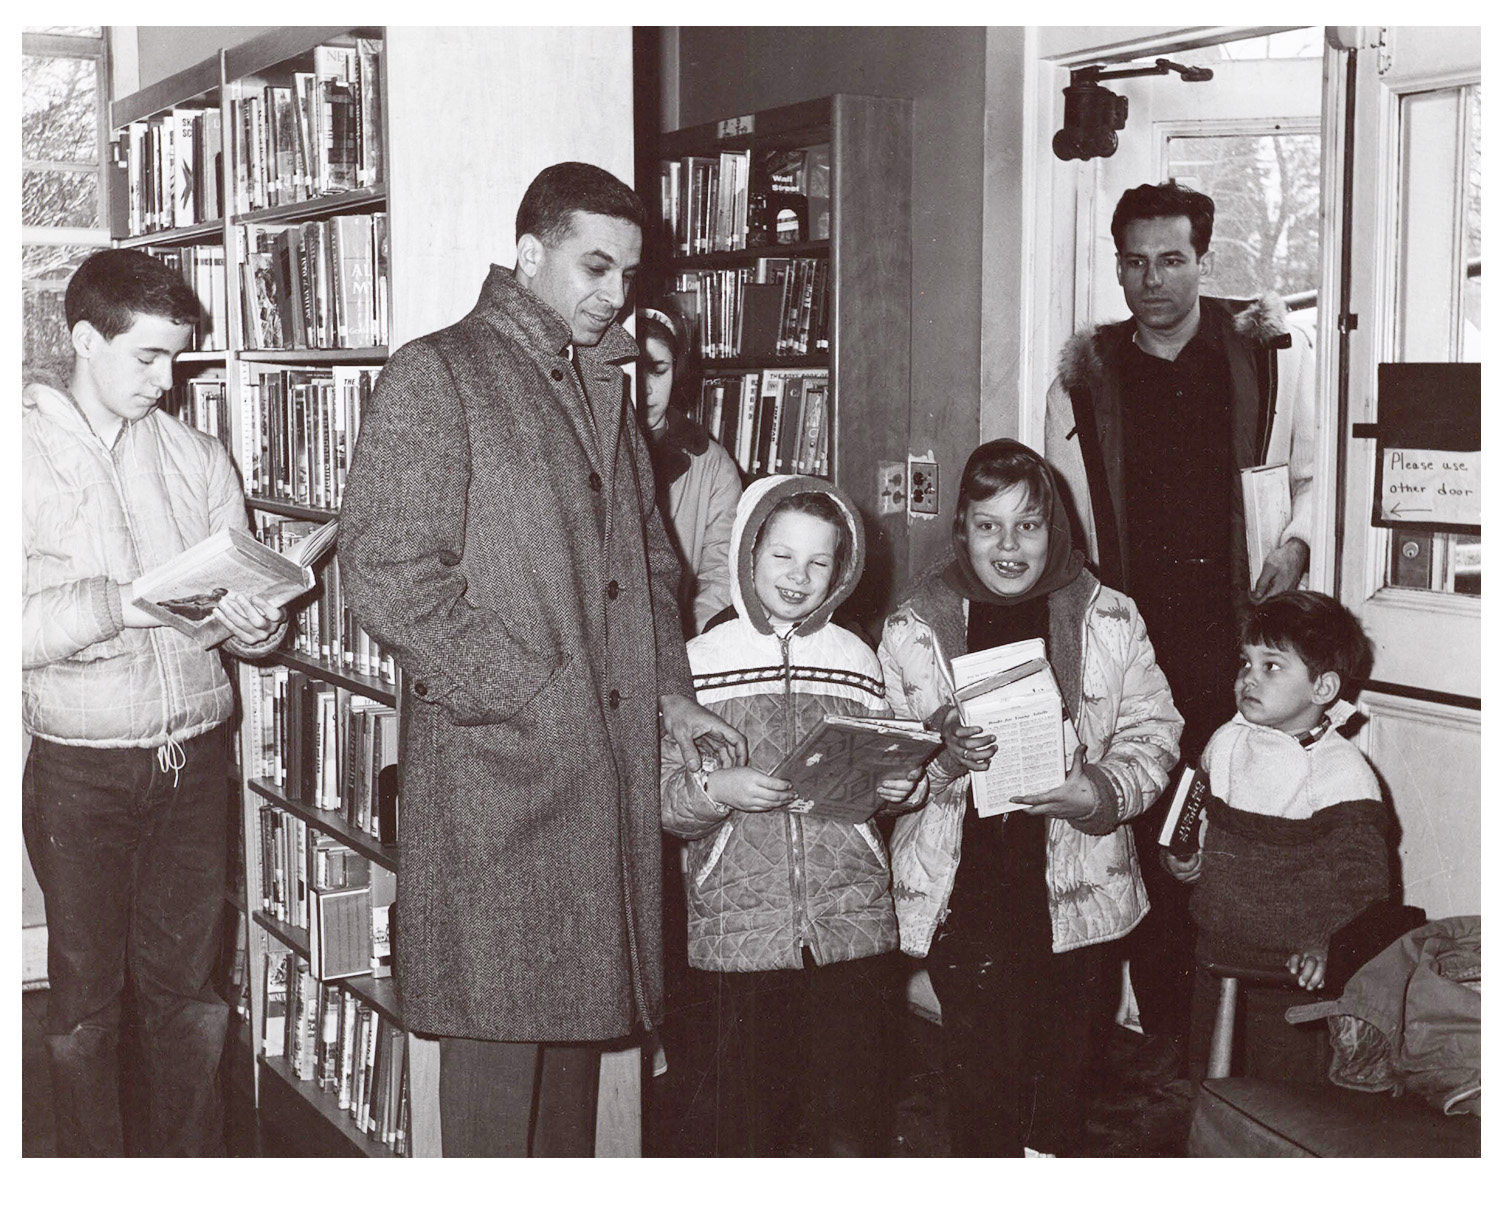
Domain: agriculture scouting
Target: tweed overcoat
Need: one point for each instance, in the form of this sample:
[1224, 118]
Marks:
[505, 545]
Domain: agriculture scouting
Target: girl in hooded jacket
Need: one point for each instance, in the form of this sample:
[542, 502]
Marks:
[792, 911]
[1011, 910]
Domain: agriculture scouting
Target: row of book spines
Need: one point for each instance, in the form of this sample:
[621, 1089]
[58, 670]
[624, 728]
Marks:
[769, 421]
[203, 404]
[705, 202]
[172, 163]
[332, 1038]
[329, 748]
[299, 429]
[318, 134]
[316, 285]
[289, 870]
[202, 268]
[779, 306]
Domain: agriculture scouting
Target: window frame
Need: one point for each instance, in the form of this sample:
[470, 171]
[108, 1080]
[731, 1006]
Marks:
[77, 46]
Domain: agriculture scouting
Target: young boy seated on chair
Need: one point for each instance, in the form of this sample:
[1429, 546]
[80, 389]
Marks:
[1293, 842]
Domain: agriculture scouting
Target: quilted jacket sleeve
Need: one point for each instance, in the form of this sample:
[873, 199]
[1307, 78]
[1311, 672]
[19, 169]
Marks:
[58, 622]
[912, 694]
[1141, 752]
[687, 810]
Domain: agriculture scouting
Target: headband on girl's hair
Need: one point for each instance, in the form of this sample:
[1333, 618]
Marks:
[662, 318]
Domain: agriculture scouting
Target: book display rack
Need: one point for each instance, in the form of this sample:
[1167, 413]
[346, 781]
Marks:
[784, 237]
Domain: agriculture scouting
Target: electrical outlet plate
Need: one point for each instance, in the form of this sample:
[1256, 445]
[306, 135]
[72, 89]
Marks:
[891, 489]
[922, 477]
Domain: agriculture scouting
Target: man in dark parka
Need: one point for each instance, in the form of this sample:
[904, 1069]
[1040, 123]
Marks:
[499, 534]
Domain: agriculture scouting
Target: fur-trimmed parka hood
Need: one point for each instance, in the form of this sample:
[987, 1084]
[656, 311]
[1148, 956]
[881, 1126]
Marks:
[1263, 320]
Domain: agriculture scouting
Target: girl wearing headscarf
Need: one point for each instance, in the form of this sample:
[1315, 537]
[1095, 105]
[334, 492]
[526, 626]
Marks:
[1010, 910]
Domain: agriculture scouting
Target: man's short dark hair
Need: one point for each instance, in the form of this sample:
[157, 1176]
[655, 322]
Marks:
[1165, 201]
[114, 286]
[546, 211]
[1320, 630]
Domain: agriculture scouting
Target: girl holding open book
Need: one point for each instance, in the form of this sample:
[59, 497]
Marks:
[789, 908]
[1010, 909]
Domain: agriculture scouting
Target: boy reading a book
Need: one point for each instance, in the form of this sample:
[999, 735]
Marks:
[124, 793]
[1294, 833]
[792, 910]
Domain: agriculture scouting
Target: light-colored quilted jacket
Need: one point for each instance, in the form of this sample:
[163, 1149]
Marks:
[762, 885]
[94, 519]
[1122, 707]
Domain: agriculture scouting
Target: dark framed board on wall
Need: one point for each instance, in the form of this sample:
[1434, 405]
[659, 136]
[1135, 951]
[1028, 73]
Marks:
[1427, 447]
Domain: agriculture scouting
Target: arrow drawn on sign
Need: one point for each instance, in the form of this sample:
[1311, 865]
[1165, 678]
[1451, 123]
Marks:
[1397, 510]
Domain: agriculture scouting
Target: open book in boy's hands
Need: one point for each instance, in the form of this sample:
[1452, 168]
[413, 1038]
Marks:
[1010, 692]
[184, 591]
[837, 769]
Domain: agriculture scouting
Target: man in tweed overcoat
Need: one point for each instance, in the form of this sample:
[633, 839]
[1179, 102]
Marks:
[499, 534]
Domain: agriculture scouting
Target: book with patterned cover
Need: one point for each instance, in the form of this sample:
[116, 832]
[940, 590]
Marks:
[838, 767]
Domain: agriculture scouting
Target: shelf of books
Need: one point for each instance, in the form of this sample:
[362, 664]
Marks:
[260, 176]
[786, 243]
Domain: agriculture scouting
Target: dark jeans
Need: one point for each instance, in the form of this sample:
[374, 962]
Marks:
[1017, 1026]
[798, 1066]
[514, 1099]
[131, 862]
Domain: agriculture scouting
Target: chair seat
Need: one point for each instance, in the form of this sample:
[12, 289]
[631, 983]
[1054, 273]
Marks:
[1259, 1118]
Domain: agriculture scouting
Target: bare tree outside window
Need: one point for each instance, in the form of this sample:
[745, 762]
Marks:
[1265, 188]
[64, 208]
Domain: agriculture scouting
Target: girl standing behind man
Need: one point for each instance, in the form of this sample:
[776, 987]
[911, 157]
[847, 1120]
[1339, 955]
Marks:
[697, 482]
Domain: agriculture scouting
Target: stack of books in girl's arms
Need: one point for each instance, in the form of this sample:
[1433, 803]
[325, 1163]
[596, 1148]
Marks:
[1011, 692]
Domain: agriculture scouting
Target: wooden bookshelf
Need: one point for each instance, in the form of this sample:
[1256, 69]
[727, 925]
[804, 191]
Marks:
[869, 142]
[215, 84]
[361, 841]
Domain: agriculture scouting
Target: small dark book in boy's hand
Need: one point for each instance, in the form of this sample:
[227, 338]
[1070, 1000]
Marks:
[837, 769]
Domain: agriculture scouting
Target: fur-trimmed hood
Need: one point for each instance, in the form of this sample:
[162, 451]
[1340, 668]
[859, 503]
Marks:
[1263, 320]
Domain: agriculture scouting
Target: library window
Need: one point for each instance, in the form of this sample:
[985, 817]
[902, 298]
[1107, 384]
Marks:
[1265, 187]
[64, 158]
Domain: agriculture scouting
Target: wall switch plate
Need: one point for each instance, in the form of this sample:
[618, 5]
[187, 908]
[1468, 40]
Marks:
[891, 487]
[922, 477]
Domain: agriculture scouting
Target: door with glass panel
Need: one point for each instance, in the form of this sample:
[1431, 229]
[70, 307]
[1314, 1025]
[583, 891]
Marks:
[1413, 266]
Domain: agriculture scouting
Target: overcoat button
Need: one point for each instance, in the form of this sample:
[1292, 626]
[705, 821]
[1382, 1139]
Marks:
[419, 687]
[613, 590]
[596, 482]
[614, 698]
[557, 374]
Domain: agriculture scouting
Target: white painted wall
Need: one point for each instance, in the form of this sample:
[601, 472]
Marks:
[510, 102]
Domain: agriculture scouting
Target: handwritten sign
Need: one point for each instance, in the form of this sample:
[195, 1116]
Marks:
[1429, 488]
